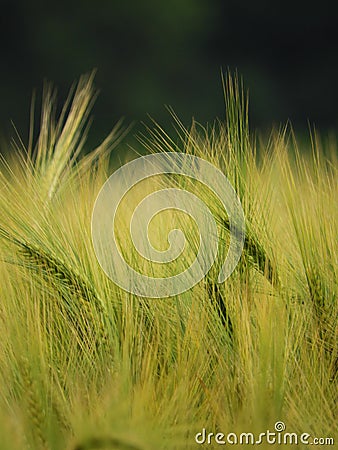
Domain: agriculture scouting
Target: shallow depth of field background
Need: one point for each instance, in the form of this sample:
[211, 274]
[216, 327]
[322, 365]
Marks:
[152, 53]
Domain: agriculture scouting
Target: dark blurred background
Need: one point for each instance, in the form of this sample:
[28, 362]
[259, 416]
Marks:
[153, 53]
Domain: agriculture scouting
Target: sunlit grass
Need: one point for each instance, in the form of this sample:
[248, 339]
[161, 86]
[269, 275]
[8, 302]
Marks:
[85, 365]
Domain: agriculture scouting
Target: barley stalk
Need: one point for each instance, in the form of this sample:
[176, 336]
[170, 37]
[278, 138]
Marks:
[65, 280]
[34, 408]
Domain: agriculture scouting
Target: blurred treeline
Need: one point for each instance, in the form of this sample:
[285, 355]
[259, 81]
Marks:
[153, 53]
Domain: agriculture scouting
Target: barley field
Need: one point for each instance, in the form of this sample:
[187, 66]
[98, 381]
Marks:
[87, 365]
